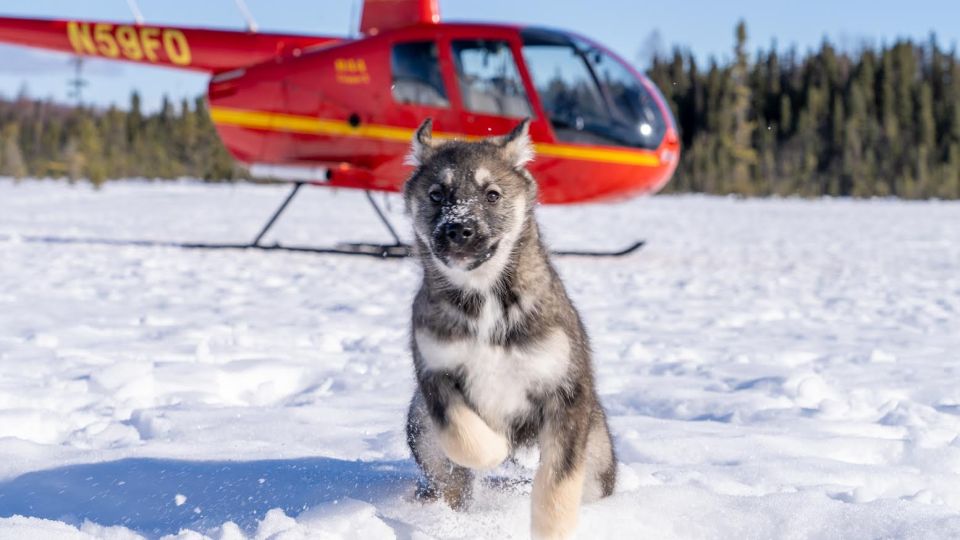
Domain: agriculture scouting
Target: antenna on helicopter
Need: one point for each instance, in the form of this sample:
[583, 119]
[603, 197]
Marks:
[251, 23]
[137, 14]
[77, 83]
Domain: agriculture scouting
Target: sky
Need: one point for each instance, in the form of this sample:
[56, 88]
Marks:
[632, 28]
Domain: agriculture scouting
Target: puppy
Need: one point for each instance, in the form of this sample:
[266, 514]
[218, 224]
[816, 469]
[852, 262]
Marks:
[501, 356]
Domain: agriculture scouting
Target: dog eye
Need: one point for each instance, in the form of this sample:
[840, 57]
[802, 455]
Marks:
[436, 196]
[493, 196]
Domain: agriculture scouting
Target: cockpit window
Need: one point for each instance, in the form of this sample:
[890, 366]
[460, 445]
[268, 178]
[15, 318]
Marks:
[630, 102]
[416, 75]
[590, 96]
[489, 80]
[567, 89]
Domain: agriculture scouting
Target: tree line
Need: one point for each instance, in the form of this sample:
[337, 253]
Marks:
[876, 122]
[44, 139]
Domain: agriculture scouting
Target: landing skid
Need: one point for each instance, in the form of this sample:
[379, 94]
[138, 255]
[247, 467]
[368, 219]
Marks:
[385, 251]
[588, 253]
[395, 250]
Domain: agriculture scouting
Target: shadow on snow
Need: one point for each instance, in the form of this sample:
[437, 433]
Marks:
[142, 494]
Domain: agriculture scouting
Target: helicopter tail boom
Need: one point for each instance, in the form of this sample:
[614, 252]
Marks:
[196, 49]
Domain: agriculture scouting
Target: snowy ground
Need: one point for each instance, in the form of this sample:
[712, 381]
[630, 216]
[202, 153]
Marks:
[772, 369]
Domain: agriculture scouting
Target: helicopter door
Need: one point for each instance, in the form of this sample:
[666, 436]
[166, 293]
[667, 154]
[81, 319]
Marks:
[421, 85]
[490, 83]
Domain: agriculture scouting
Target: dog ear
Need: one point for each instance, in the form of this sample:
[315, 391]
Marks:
[516, 145]
[422, 145]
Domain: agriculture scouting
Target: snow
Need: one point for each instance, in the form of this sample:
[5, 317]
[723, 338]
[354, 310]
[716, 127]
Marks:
[771, 368]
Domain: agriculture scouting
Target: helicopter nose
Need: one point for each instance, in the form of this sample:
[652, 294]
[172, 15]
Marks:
[458, 233]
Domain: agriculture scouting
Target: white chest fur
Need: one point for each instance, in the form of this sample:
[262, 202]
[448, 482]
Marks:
[497, 380]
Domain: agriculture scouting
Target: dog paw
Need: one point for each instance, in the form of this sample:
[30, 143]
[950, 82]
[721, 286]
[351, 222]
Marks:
[547, 532]
[469, 442]
[553, 525]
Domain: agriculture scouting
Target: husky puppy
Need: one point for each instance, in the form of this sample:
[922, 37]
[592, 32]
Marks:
[502, 359]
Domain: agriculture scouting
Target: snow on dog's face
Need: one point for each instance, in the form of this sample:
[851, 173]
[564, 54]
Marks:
[469, 200]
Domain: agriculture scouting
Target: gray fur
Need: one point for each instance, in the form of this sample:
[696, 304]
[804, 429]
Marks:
[529, 305]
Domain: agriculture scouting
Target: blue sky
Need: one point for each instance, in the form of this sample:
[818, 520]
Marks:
[626, 26]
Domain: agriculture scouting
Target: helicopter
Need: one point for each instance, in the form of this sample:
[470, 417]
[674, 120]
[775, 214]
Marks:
[336, 111]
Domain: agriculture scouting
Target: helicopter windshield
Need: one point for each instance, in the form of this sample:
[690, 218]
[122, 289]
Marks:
[590, 96]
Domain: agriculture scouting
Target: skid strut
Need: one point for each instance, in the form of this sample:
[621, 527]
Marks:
[396, 249]
[276, 214]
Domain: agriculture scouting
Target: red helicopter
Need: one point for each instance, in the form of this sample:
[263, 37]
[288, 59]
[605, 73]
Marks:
[340, 112]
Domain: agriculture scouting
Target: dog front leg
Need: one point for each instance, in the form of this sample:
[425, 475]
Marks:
[465, 438]
[468, 441]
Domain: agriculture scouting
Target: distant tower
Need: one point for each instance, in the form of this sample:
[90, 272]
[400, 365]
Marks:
[77, 83]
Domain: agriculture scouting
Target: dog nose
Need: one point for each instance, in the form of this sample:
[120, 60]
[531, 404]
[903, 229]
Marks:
[458, 233]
